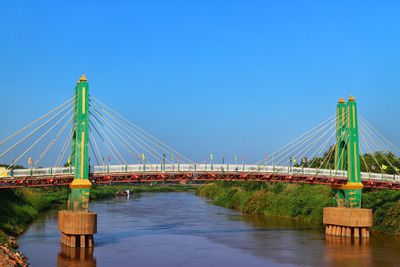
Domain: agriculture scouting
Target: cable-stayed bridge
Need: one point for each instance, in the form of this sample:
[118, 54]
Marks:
[119, 151]
[90, 143]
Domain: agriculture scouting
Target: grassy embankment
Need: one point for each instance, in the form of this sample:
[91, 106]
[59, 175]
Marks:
[300, 201]
[19, 207]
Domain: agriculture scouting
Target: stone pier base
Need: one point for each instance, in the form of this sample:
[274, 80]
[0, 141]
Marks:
[77, 241]
[347, 222]
[77, 228]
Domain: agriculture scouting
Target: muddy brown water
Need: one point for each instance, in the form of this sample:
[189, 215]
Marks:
[181, 229]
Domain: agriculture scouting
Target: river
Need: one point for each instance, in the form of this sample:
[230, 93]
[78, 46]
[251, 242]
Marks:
[181, 229]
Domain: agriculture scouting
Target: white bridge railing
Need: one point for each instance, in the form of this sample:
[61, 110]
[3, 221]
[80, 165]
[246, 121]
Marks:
[196, 168]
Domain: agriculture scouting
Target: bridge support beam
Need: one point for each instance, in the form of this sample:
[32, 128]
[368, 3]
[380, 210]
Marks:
[77, 225]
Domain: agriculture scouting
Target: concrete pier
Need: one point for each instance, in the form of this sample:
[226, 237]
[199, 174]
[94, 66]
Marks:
[346, 222]
[77, 228]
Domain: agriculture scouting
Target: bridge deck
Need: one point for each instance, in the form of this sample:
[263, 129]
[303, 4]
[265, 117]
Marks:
[195, 173]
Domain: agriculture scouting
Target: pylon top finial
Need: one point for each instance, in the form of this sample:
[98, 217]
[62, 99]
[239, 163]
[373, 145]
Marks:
[341, 100]
[352, 99]
[83, 78]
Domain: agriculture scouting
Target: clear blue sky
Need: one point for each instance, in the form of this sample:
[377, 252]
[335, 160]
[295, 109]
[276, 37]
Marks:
[225, 77]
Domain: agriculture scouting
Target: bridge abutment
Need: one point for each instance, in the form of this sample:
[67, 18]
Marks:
[347, 222]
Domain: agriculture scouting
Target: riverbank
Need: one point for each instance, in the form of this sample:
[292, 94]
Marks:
[20, 207]
[300, 201]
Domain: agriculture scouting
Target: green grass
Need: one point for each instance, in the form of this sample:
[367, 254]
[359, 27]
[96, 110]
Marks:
[20, 206]
[289, 200]
[300, 201]
[386, 207]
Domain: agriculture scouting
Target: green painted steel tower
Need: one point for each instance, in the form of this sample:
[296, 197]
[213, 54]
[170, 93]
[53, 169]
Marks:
[347, 155]
[78, 199]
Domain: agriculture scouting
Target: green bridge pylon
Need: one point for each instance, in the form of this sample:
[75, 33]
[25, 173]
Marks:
[78, 199]
[347, 154]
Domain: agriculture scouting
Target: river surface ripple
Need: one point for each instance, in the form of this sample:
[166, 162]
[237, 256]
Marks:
[181, 229]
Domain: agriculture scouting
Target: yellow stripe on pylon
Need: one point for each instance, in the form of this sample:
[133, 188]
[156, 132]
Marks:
[83, 100]
[82, 154]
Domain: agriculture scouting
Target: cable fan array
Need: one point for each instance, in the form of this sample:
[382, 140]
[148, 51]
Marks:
[113, 139]
[377, 151]
[41, 135]
[316, 148]
[124, 141]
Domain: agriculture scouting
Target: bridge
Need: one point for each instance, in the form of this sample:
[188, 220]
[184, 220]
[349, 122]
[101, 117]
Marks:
[97, 145]
[193, 173]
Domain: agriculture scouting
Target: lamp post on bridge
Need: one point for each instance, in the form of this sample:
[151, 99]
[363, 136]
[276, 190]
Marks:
[30, 162]
[108, 163]
[143, 157]
[211, 160]
[292, 161]
[179, 161]
[163, 163]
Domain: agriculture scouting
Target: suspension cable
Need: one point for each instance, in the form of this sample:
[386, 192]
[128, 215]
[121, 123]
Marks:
[378, 148]
[380, 143]
[107, 141]
[34, 131]
[128, 128]
[309, 146]
[52, 142]
[144, 132]
[35, 121]
[372, 154]
[305, 150]
[113, 132]
[108, 121]
[384, 137]
[300, 142]
[97, 147]
[319, 151]
[137, 152]
[40, 138]
[329, 121]
[64, 149]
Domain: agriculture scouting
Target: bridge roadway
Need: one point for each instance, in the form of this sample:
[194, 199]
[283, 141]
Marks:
[191, 173]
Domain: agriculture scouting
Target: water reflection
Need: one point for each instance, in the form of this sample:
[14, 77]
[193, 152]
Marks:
[342, 251]
[79, 257]
[276, 222]
[286, 240]
[289, 240]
